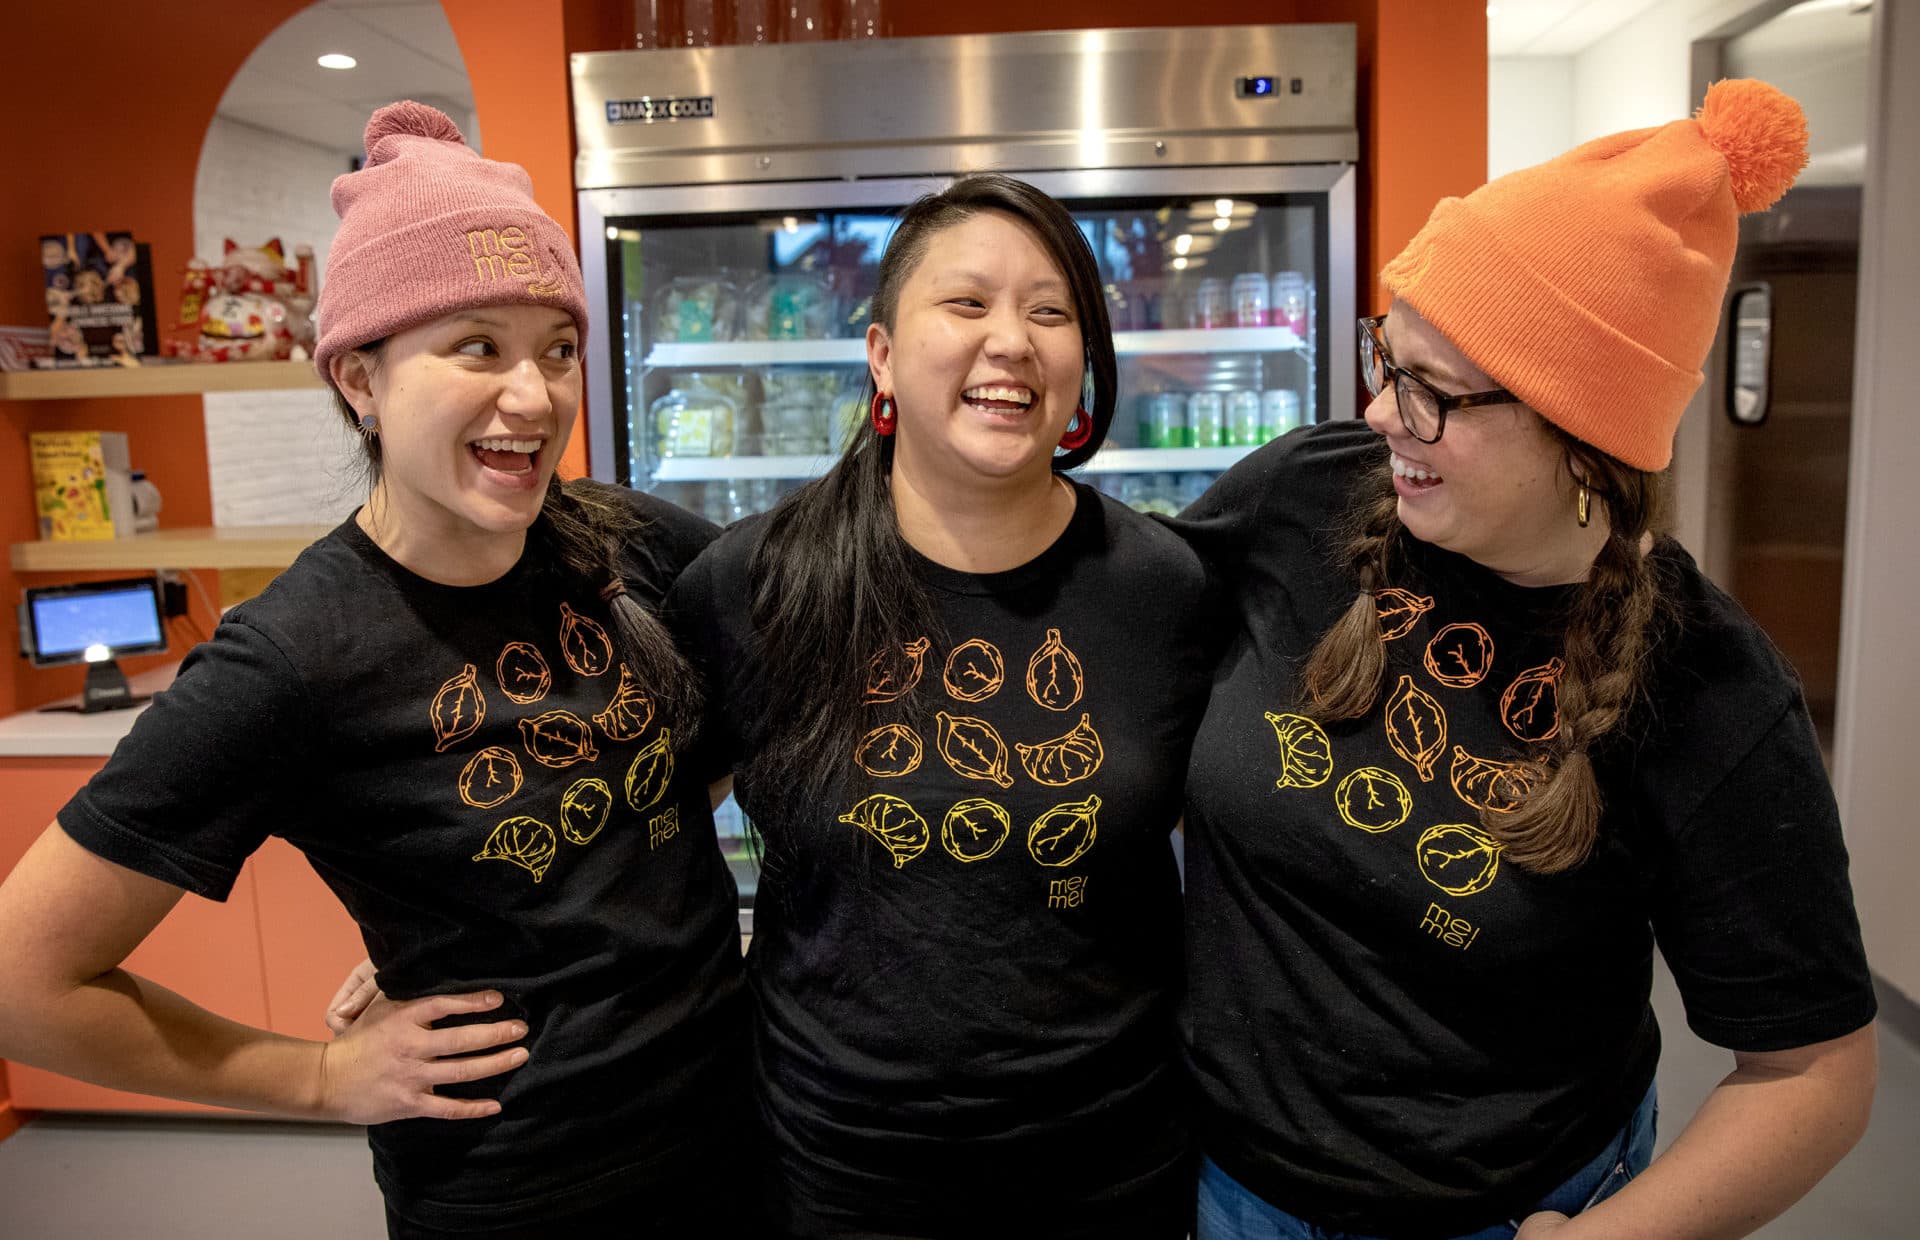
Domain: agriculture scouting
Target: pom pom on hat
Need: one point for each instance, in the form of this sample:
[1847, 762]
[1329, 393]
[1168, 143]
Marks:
[1761, 133]
[409, 119]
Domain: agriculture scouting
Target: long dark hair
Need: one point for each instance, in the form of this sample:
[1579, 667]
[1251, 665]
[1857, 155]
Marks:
[582, 531]
[836, 583]
[1608, 629]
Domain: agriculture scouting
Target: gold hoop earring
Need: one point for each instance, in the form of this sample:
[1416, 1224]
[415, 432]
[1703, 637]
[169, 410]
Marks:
[1583, 506]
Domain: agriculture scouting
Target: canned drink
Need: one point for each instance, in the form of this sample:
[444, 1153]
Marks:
[1243, 418]
[1210, 303]
[1250, 300]
[1279, 413]
[1165, 423]
[1287, 302]
[1207, 420]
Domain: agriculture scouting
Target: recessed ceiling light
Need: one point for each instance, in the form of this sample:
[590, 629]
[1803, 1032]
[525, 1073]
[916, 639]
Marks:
[613, 234]
[1222, 223]
[337, 60]
[1183, 243]
[1180, 264]
[1223, 206]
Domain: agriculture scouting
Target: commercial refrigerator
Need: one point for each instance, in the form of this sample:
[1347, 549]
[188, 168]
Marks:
[734, 203]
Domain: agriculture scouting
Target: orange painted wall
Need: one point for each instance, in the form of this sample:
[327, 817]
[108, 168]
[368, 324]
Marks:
[123, 157]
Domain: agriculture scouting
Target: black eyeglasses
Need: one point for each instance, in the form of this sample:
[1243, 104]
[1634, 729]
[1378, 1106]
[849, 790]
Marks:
[1423, 407]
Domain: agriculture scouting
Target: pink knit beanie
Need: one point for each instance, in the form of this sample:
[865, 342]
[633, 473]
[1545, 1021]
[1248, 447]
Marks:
[428, 227]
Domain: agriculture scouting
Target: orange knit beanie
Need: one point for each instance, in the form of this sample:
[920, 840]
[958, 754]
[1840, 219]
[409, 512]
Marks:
[1590, 285]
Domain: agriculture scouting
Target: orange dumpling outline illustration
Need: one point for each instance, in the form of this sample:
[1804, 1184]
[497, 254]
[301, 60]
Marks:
[491, 777]
[628, 714]
[1416, 727]
[972, 748]
[888, 751]
[522, 673]
[1459, 656]
[1055, 678]
[583, 643]
[1530, 706]
[892, 675]
[974, 671]
[457, 709]
[1487, 784]
[1398, 611]
[1066, 759]
[558, 738]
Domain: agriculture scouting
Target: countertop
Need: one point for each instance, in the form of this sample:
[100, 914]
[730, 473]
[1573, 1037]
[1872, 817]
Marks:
[68, 733]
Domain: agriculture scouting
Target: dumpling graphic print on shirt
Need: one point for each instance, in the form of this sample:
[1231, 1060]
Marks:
[1306, 755]
[490, 778]
[973, 748]
[1054, 676]
[523, 673]
[1530, 707]
[522, 841]
[889, 751]
[1459, 656]
[1416, 726]
[974, 671]
[894, 823]
[974, 829]
[457, 710]
[892, 674]
[583, 643]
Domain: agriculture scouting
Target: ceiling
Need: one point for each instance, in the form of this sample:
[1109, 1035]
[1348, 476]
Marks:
[405, 48]
[1555, 27]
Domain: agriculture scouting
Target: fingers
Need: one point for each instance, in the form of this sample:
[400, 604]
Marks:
[433, 1106]
[344, 1010]
[435, 1008]
[474, 1067]
[466, 1039]
[355, 982]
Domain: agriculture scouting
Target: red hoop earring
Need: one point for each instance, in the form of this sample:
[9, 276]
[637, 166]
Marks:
[1079, 430]
[883, 415]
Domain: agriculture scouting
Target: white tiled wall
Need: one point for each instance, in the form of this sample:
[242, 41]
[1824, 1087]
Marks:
[275, 458]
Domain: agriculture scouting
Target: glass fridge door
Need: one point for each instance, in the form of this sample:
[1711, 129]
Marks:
[737, 359]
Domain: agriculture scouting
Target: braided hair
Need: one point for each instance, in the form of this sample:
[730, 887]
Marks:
[1607, 630]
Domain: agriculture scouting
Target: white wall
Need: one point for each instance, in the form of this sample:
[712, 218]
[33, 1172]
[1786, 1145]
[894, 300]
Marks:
[1879, 668]
[274, 458]
[1529, 111]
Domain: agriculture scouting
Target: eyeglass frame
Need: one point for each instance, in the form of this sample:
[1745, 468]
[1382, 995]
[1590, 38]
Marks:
[1373, 334]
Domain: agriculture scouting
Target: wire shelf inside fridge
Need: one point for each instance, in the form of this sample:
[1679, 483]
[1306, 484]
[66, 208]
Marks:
[808, 465]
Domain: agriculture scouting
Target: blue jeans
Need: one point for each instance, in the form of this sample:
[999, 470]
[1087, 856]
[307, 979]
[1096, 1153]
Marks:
[1228, 1210]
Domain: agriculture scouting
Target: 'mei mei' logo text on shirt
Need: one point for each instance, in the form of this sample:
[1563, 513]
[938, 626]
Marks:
[1453, 931]
[508, 254]
[664, 108]
[1067, 892]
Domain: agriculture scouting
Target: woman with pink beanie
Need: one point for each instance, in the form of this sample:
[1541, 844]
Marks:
[1475, 751]
[462, 707]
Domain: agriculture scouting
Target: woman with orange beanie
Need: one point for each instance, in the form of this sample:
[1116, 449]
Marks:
[1474, 753]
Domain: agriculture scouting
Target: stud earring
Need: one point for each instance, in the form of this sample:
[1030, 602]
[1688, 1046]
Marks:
[370, 424]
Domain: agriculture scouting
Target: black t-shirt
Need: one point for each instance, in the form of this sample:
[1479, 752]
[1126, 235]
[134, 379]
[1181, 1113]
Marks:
[1397, 1032]
[472, 774]
[967, 966]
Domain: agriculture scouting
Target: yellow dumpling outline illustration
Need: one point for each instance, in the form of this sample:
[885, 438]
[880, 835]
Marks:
[1533, 700]
[1460, 655]
[972, 747]
[888, 680]
[1398, 611]
[974, 671]
[897, 825]
[1059, 824]
[491, 768]
[1045, 682]
[1416, 727]
[522, 673]
[1486, 784]
[457, 709]
[525, 842]
[1306, 755]
[1068, 758]
[1373, 799]
[971, 821]
[1463, 848]
[585, 808]
[583, 643]
[630, 711]
[889, 751]
[650, 773]
[558, 738]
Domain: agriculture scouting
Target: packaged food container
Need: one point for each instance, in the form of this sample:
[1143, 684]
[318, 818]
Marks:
[693, 421]
[1164, 422]
[789, 306]
[697, 309]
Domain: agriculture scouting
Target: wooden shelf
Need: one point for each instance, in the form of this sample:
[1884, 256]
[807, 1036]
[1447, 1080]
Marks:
[246, 546]
[184, 379]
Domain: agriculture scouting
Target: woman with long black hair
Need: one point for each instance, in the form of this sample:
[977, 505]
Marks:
[958, 689]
